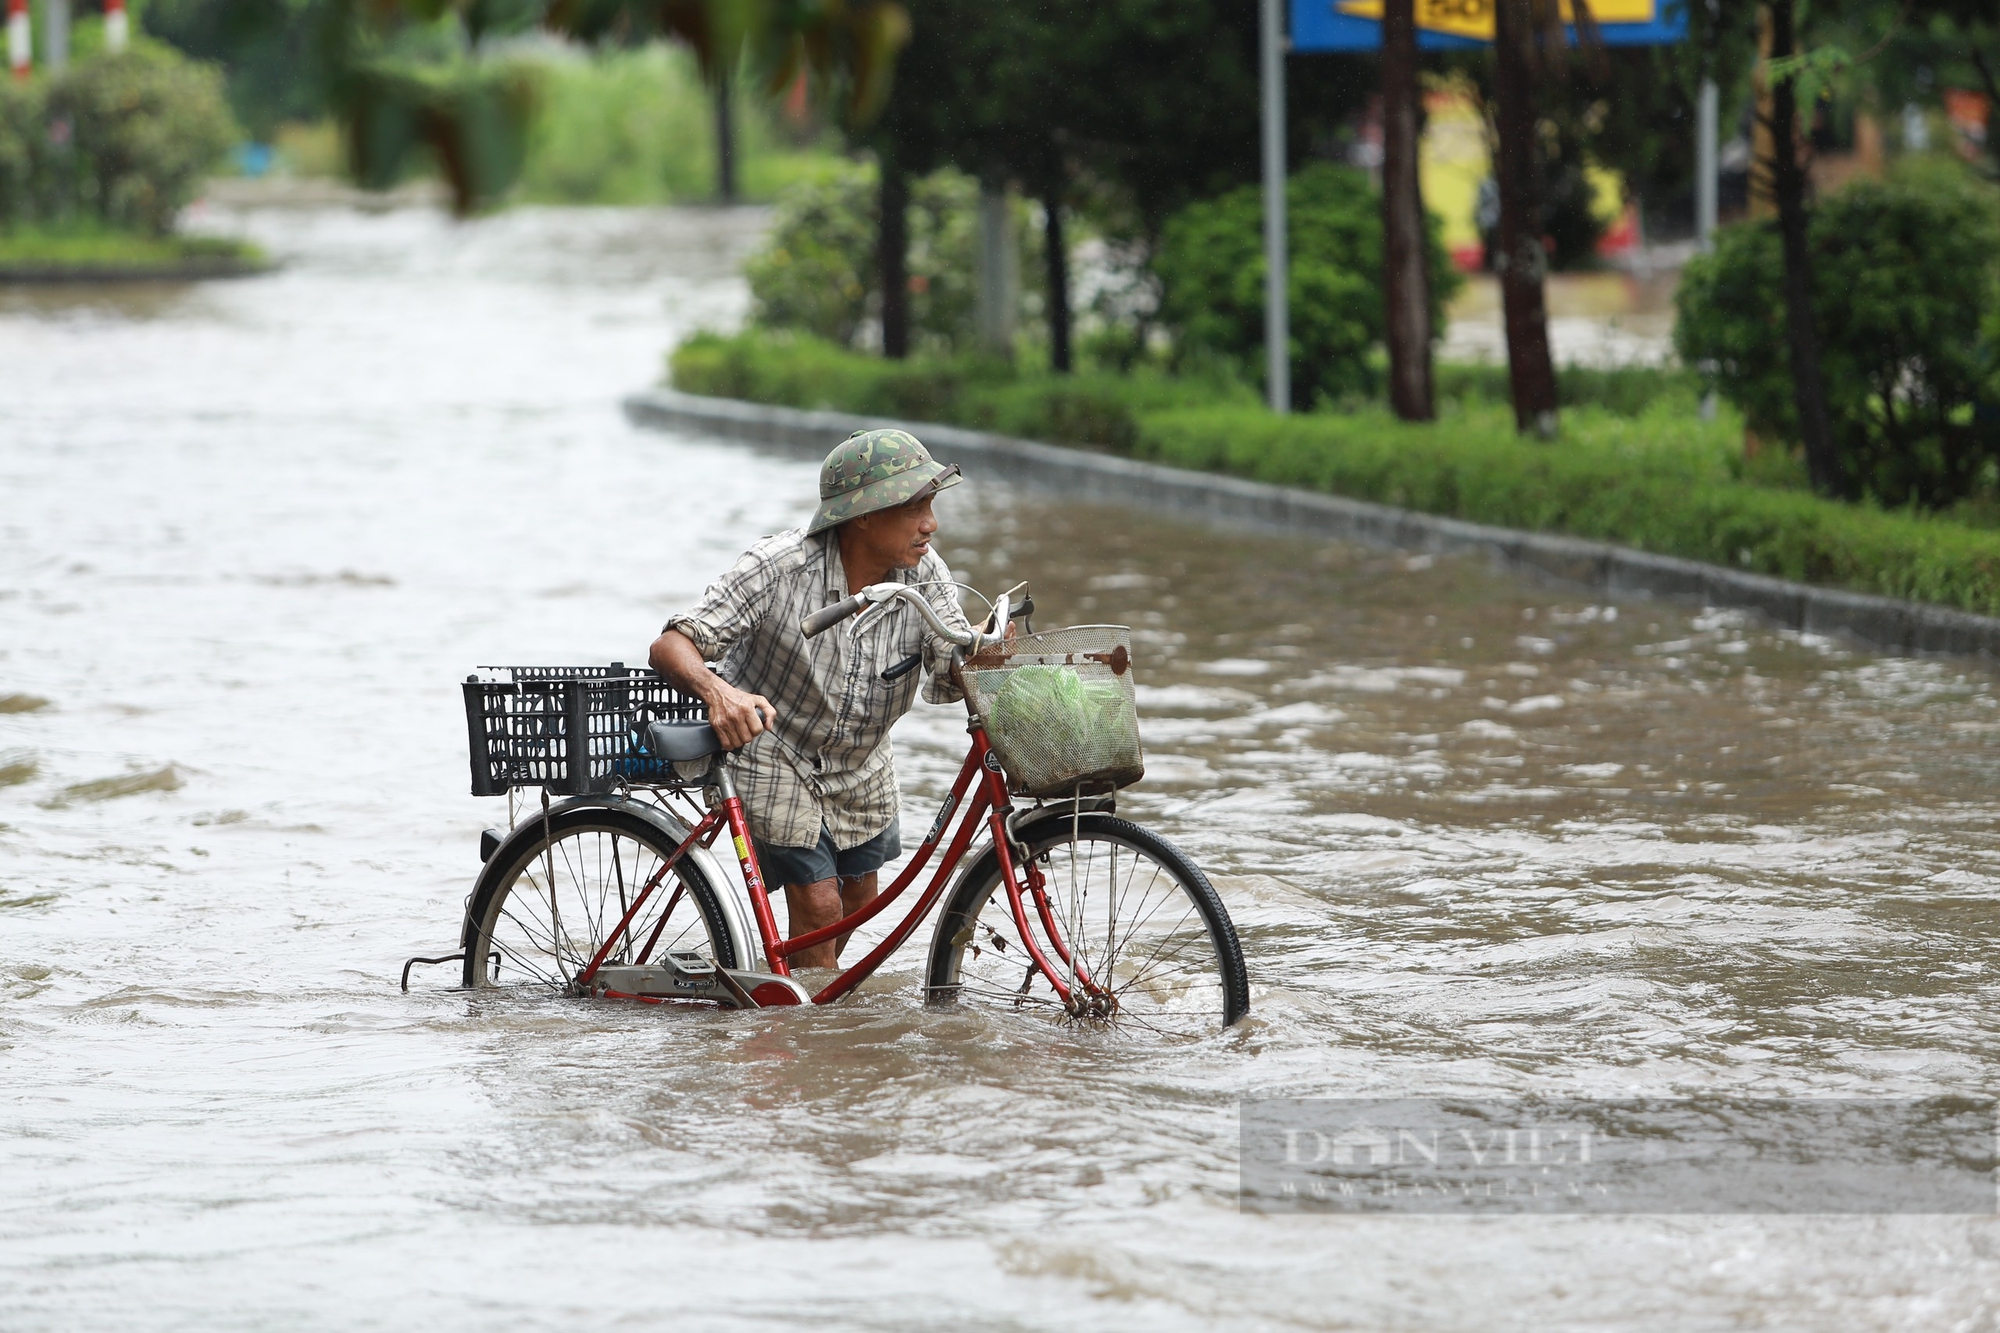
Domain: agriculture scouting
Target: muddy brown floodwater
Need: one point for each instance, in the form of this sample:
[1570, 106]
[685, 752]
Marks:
[1481, 835]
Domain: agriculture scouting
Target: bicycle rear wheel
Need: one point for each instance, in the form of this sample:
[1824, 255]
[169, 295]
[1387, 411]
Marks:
[1137, 918]
[536, 920]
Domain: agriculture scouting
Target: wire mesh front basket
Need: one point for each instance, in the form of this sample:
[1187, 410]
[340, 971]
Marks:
[1060, 710]
[568, 729]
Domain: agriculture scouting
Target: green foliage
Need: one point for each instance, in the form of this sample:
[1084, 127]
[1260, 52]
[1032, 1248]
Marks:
[1211, 267]
[123, 139]
[638, 127]
[817, 274]
[274, 52]
[405, 73]
[470, 115]
[1907, 285]
[1659, 479]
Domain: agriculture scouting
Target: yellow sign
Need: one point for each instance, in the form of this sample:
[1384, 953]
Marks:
[1474, 18]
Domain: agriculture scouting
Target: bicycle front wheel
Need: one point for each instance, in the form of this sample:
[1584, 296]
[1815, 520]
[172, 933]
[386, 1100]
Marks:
[537, 919]
[1141, 927]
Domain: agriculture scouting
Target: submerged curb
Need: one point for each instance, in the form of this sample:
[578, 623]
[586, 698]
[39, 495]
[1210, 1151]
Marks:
[1884, 622]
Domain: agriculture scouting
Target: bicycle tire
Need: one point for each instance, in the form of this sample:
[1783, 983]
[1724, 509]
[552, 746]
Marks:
[970, 958]
[594, 853]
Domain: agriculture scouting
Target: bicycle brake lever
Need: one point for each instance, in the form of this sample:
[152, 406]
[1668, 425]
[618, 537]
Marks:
[902, 668]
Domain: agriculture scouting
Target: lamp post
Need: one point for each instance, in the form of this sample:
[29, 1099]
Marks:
[1277, 319]
[55, 34]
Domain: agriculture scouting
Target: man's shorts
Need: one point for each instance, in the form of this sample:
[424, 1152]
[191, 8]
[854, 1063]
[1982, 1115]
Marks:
[809, 865]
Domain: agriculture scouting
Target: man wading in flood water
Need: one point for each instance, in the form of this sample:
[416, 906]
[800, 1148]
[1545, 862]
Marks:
[810, 719]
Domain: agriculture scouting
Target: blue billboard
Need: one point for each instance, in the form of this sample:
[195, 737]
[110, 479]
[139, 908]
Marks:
[1446, 25]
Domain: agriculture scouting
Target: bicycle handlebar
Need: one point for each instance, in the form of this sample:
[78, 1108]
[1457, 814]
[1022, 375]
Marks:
[824, 619]
[881, 594]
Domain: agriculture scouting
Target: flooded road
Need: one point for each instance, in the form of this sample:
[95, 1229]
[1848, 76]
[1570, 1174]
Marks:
[1481, 836]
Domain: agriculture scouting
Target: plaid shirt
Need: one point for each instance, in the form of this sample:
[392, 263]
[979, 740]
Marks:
[827, 761]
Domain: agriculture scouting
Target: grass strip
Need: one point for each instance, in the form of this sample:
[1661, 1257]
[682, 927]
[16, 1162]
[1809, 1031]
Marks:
[87, 248]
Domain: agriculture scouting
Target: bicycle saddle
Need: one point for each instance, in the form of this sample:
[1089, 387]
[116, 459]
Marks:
[680, 742]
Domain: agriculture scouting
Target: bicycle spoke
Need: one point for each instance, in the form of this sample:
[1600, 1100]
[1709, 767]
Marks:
[574, 893]
[1154, 970]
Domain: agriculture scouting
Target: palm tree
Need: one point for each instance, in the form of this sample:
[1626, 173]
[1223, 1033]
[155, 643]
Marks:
[474, 116]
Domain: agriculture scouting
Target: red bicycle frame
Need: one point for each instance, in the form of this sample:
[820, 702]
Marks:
[988, 804]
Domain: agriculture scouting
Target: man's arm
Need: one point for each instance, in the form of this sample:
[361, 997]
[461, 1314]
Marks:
[737, 716]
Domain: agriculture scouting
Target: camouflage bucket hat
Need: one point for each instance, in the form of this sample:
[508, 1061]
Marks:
[876, 469]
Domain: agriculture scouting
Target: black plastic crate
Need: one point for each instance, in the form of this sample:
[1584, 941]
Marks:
[521, 725]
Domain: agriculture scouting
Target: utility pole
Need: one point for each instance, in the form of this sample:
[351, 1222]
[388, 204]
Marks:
[1277, 318]
[1707, 165]
[725, 141]
[55, 34]
[999, 271]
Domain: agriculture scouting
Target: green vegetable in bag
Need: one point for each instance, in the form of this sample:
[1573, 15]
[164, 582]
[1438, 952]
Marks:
[1048, 720]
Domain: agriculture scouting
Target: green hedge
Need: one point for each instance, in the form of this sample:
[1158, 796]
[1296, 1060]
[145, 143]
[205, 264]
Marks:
[1101, 409]
[1661, 480]
[1649, 483]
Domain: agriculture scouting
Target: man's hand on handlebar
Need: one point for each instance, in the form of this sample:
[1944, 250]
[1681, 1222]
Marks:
[738, 716]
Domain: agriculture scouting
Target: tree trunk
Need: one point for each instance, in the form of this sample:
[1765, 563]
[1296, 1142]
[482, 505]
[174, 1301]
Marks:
[1406, 281]
[1788, 182]
[893, 257]
[1522, 262]
[1056, 254]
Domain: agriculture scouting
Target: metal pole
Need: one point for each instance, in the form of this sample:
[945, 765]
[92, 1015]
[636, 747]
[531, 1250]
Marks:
[1706, 166]
[55, 35]
[1277, 319]
[999, 272]
[725, 140]
[20, 38]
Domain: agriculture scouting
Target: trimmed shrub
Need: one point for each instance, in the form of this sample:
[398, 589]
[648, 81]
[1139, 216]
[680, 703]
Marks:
[1098, 409]
[1659, 484]
[1626, 391]
[1211, 267]
[146, 127]
[23, 146]
[1905, 274]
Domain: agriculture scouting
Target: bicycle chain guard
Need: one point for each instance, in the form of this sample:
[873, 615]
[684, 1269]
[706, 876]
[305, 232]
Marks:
[684, 974]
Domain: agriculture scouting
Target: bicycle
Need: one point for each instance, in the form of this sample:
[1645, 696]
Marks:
[1058, 907]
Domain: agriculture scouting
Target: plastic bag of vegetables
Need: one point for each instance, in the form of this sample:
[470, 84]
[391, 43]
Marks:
[1056, 731]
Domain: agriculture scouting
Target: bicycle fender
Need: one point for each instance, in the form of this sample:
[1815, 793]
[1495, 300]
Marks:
[729, 894]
